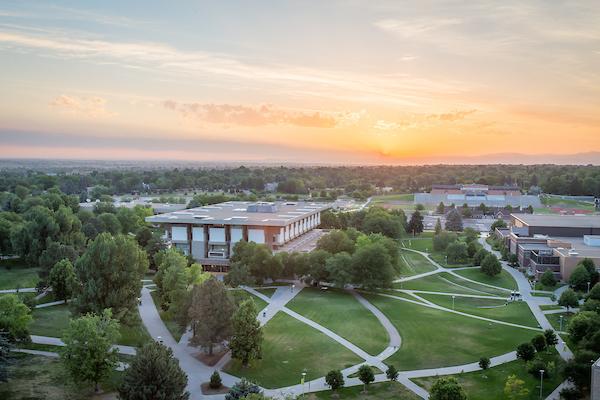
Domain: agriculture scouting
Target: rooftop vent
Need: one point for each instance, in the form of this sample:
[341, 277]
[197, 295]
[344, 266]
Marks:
[262, 207]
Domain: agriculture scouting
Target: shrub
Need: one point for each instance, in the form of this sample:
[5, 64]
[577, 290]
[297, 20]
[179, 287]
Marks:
[539, 342]
[548, 279]
[484, 363]
[534, 367]
[525, 351]
[215, 380]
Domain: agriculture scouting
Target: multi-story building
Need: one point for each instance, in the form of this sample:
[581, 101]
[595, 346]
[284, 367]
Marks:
[552, 242]
[209, 233]
[474, 195]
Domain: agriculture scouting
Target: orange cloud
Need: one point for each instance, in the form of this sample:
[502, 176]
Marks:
[88, 106]
[224, 114]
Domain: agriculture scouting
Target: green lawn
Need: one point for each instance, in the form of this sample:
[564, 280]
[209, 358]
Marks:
[241, 295]
[50, 321]
[457, 280]
[267, 291]
[15, 274]
[343, 314]
[433, 338]
[414, 264]
[516, 312]
[43, 378]
[289, 348]
[445, 282]
[376, 391]
[554, 320]
[544, 307]
[393, 197]
[419, 243]
[489, 385]
[503, 279]
[567, 203]
[53, 321]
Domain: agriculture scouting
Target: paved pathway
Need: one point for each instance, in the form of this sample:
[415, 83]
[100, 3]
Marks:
[121, 366]
[22, 290]
[52, 341]
[533, 302]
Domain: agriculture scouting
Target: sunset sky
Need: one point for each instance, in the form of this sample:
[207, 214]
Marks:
[301, 81]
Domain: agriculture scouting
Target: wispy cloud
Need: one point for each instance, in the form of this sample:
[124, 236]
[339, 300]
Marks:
[162, 58]
[86, 106]
[225, 114]
[415, 27]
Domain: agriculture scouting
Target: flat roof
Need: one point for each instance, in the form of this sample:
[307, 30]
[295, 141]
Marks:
[236, 213]
[566, 221]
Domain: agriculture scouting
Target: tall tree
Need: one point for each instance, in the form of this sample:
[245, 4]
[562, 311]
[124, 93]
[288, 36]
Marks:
[490, 265]
[63, 280]
[371, 266]
[438, 227]
[335, 242]
[154, 374]
[246, 341]
[89, 354]
[15, 318]
[454, 221]
[415, 224]
[210, 314]
[366, 376]
[568, 299]
[110, 271]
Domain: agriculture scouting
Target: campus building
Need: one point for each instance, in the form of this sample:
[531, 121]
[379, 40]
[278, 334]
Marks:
[552, 242]
[209, 233]
[475, 194]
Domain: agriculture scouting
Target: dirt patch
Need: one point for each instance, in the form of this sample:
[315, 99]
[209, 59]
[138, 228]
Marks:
[211, 361]
[206, 390]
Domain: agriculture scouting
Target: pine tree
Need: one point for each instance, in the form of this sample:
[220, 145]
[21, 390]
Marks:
[438, 227]
[154, 374]
[246, 341]
[210, 314]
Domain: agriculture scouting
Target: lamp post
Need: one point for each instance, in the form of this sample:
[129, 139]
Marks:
[303, 377]
[541, 381]
[561, 320]
[453, 297]
[588, 291]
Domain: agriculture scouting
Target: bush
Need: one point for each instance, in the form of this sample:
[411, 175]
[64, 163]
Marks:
[579, 278]
[484, 363]
[490, 265]
[479, 256]
[548, 279]
[334, 379]
[447, 389]
[570, 393]
[215, 380]
[525, 351]
[457, 252]
[539, 342]
[534, 367]
[242, 389]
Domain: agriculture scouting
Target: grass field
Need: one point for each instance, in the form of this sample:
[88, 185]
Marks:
[267, 291]
[43, 378]
[554, 320]
[343, 314]
[241, 295]
[444, 282]
[567, 203]
[53, 321]
[516, 312]
[376, 391]
[503, 279]
[14, 274]
[545, 307]
[393, 197]
[489, 385]
[414, 263]
[434, 338]
[289, 348]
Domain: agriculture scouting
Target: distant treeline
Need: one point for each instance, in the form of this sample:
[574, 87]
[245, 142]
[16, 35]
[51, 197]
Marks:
[356, 181]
